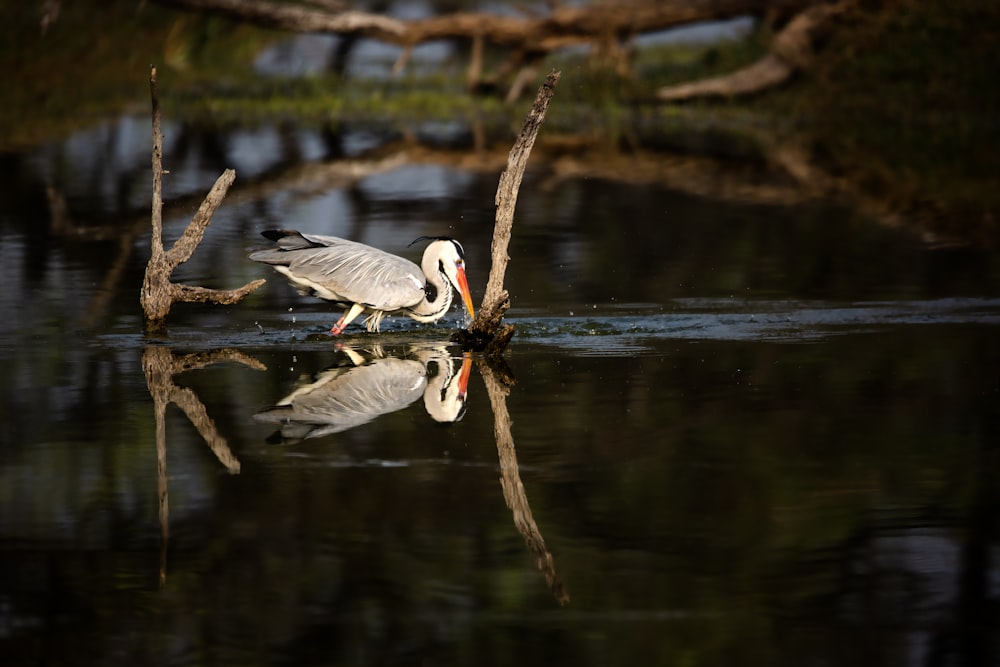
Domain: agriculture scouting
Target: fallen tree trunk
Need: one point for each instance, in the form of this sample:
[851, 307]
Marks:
[528, 37]
[565, 25]
[284, 16]
[791, 51]
[768, 72]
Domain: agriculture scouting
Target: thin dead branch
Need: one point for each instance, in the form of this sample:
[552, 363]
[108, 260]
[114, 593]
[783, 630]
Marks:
[487, 333]
[158, 293]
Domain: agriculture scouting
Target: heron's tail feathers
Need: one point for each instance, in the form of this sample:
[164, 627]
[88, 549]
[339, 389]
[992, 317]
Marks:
[287, 240]
[290, 239]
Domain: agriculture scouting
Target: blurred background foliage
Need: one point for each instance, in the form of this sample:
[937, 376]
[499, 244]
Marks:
[901, 100]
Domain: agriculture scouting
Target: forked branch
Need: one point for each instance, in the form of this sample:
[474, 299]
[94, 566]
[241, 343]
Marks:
[158, 293]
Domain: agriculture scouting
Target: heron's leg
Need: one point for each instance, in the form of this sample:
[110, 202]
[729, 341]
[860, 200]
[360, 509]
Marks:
[346, 319]
[355, 358]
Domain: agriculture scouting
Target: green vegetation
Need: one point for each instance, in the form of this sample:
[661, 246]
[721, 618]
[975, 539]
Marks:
[901, 101]
[93, 62]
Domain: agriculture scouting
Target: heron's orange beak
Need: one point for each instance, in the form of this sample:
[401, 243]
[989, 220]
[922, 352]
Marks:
[463, 375]
[463, 288]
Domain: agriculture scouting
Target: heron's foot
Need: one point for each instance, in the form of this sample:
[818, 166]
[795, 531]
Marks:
[346, 319]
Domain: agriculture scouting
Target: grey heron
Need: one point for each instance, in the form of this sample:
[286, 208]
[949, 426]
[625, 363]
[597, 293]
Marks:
[350, 395]
[368, 280]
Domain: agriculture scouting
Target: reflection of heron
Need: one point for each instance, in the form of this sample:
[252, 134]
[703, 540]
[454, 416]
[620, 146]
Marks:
[343, 397]
[366, 279]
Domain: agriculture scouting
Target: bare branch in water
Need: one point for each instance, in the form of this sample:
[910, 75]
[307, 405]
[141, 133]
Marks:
[487, 333]
[158, 293]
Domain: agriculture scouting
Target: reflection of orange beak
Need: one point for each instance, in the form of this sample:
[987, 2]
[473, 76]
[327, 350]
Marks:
[463, 375]
[463, 287]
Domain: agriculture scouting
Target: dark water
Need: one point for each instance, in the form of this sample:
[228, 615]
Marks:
[740, 433]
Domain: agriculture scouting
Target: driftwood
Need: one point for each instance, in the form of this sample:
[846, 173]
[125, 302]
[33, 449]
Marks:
[487, 333]
[605, 26]
[158, 294]
[791, 51]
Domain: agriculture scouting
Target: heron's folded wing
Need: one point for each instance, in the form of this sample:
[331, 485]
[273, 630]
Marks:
[361, 274]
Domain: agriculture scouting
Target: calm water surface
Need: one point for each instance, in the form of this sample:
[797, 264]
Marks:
[739, 433]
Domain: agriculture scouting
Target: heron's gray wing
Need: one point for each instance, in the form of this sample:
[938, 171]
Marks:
[362, 274]
[353, 271]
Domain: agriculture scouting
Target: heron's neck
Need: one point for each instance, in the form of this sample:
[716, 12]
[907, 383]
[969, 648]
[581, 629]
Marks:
[442, 398]
[437, 293]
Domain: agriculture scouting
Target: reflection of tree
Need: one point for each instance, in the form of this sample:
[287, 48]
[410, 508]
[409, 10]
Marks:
[775, 170]
[510, 480]
[160, 365]
[64, 225]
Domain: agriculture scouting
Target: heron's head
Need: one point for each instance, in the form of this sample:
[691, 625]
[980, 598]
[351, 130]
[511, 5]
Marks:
[445, 396]
[449, 256]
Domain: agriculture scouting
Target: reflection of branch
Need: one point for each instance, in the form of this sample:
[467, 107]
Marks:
[513, 489]
[160, 365]
[62, 224]
[160, 410]
[198, 360]
[188, 401]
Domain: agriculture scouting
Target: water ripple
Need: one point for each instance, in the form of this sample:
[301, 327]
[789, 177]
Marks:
[722, 319]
